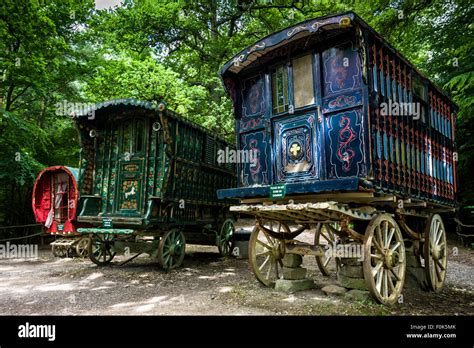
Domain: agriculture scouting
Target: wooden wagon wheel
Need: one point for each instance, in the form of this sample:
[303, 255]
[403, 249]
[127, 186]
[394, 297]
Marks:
[82, 247]
[266, 252]
[61, 251]
[100, 249]
[384, 259]
[435, 253]
[55, 250]
[225, 238]
[171, 249]
[325, 235]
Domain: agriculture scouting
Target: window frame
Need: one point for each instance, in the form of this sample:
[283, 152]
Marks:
[288, 62]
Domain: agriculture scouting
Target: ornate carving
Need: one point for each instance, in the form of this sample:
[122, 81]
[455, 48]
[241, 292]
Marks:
[296, 30]
[341, 101]
[346, 135]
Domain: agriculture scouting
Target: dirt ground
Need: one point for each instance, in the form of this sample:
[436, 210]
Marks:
[206, 284]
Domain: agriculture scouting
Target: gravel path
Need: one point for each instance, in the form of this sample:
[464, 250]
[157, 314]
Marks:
[205, 284]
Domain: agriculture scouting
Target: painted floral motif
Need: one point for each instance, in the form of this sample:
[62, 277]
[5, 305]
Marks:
[246, 124]
[296, 30]
[253, 96]
[255, 170]
[346, 135]
[341, 69]
[341, 101]
[256, 47]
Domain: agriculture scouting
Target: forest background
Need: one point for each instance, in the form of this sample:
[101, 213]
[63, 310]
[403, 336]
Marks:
[81, 51]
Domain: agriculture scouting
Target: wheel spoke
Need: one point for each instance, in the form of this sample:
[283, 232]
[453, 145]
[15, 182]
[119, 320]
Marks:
[270, 241]
[385, 234]
[395, 274]
[263, 253]
[327, 229]
[438, 273]
[376, 256]
[438, 262]
[325, 237]
[377, 268]
[440, 234]
[385, 283]
[390, 236]
[378, 283]
[327, 261]
[270, 268]
[395, 247]
[264, 245]
[264, 262]
[389, 279]
[377, 245]
[378, 234]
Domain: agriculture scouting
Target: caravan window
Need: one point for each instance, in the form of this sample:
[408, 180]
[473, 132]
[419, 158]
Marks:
[303, 81]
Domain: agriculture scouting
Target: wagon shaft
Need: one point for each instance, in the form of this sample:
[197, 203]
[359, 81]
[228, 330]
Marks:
[303, 213]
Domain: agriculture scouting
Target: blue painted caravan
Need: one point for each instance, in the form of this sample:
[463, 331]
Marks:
[349, 137]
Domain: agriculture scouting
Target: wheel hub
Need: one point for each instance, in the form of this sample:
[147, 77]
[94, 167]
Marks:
[277, 251]
[390, 258]
[436, 253]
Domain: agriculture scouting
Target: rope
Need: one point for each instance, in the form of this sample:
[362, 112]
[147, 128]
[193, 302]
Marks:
[17, 226]
[463, 225]
[25, 237]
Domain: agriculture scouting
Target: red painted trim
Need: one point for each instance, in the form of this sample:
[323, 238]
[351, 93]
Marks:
[72, 211]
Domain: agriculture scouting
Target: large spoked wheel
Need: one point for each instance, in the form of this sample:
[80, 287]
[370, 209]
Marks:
[435, 254]
[171, 249]
[325, 236]
[384, 259]
[101, 249]
[225, 237]
[266, 252]
[82, 247]
[61, 251]
[55, 250]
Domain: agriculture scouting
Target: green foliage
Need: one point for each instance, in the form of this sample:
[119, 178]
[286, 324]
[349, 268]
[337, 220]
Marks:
[53, 51]
[43, 53]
